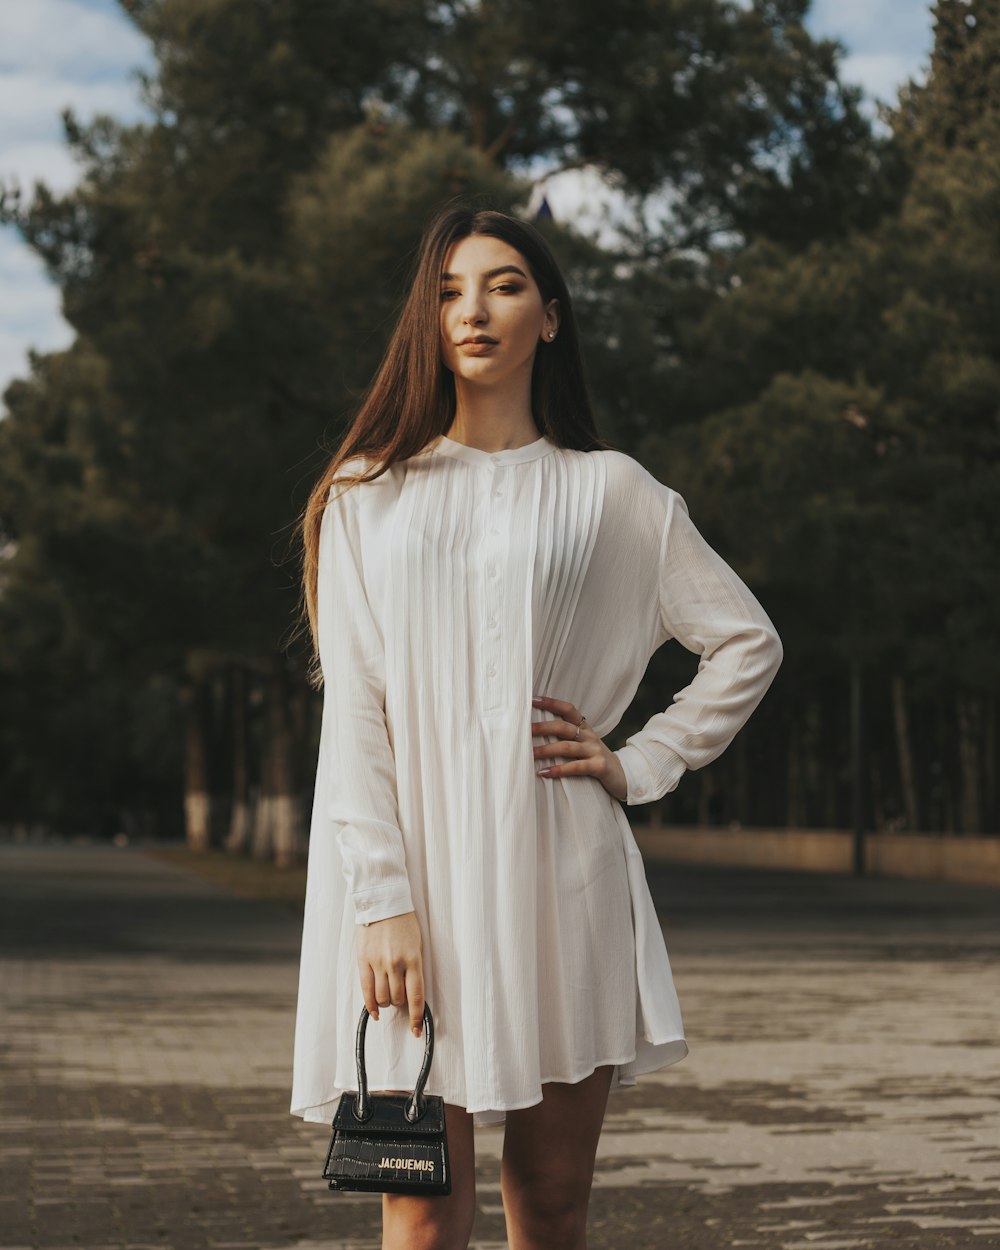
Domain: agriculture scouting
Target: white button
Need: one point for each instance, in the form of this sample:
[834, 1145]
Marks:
[493, 620]
[492, 670]
[494, 530]
[498, 491]
[491, 568]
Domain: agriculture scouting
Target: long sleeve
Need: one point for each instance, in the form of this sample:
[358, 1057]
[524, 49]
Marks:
[362, 802]
[707, 608]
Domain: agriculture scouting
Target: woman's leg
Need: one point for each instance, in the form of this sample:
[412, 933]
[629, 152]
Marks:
[547, 1167]
[443, 1222]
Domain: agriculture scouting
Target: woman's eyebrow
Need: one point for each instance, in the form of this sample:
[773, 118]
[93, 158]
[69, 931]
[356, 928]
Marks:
[490, 273]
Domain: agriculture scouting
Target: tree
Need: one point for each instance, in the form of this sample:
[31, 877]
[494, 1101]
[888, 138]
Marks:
[844, 445]
[232, 267]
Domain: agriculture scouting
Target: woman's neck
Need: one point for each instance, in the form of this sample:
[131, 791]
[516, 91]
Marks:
[492, 419]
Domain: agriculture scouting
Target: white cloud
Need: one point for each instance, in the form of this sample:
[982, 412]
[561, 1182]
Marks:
[885, 41]
[82, 53]
[52, 163]
[14, 350]
[68, 38]
[853, 19]
[29, 308]
[880, 73]
[584, 197]
[32, 143]
[32, 100]
[18, 264]
[54, 54]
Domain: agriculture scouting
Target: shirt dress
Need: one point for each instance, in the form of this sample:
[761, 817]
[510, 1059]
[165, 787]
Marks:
[450, 590]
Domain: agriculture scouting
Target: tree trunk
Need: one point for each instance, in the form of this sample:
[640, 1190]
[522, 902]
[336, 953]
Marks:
[742, 814]
[857, 779]
[969, 708]
[831, 745]
[261, 824]
[907, 775]
[831, 813]
[878, 807]
[305, 711]
[239, 820]
[990, 764]
[793, 792]
[197, 804]
[941, 770]
[705, 792]
[281, 806]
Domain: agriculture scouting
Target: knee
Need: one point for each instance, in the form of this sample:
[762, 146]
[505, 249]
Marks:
[552, 1215]
[426, 1224]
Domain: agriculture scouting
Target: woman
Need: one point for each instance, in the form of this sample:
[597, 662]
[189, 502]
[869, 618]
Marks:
[486, 580]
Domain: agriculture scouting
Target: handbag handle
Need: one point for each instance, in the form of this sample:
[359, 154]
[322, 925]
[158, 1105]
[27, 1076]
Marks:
[416, 1104]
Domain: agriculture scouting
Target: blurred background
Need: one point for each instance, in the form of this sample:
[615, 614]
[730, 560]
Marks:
[779, 225]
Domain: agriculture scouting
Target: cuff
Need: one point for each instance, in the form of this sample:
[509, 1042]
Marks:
[381, 902]
[643, 786]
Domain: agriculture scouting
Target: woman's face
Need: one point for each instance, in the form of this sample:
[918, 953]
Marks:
[487, 289]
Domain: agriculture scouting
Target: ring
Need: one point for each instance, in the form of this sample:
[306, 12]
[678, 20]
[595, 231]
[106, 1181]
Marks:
[580, 726]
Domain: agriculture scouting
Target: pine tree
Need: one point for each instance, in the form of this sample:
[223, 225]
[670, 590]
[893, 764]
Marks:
[231, 269]
[848, 451]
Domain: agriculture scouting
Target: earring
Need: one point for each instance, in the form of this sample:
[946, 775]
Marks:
[552, 334]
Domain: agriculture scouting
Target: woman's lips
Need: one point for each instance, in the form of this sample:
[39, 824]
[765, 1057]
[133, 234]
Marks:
[476, 349]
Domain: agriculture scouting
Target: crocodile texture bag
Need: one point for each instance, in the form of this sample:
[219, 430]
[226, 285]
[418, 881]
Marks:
[390, 1143]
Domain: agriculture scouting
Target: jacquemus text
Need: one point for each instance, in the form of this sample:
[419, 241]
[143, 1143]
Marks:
[422, 1165]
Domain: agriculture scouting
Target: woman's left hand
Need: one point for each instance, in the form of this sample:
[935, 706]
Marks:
[589, 757]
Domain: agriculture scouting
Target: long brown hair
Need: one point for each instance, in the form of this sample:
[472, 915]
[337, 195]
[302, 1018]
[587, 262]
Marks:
[411, 399]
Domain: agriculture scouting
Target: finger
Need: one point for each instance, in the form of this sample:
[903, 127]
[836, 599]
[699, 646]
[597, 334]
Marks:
[576, 768]
[560, 726]
[561, 707]
[382, 996]
[397, 987]
[570, 743]
[415, 997]
[368, 989]
[568, 747]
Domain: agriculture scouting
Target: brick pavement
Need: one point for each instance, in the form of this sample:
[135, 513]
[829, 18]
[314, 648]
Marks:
[842, 1089]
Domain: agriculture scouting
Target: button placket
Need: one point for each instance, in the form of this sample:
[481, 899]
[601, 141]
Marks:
[493, 598]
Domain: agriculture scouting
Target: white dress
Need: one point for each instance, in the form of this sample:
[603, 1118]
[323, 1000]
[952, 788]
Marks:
[452, 589]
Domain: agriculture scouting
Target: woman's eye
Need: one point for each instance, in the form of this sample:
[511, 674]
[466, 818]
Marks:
[504, 286]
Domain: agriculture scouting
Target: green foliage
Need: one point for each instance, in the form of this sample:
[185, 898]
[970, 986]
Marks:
[843, 443]
[805, 345]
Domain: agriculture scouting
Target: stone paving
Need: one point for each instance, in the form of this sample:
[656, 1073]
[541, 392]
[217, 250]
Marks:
[842, 1090]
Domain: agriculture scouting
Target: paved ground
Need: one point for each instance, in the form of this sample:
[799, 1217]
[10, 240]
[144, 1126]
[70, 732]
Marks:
[842, 1091]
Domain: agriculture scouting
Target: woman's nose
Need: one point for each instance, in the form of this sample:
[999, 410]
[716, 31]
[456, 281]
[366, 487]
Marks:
[473, 311]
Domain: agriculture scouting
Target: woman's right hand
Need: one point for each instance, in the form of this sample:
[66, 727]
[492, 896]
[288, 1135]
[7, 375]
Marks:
[390, 961]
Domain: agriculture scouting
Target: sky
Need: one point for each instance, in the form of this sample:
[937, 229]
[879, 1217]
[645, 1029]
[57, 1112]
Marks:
[84, 54]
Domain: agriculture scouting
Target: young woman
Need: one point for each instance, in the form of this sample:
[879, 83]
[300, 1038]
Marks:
[486, 580]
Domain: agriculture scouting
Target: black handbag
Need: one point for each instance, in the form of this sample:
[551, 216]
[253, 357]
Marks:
[390, 1143]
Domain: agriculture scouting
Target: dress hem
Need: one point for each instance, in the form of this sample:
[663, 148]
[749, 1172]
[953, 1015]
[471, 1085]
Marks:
[626, 1082]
